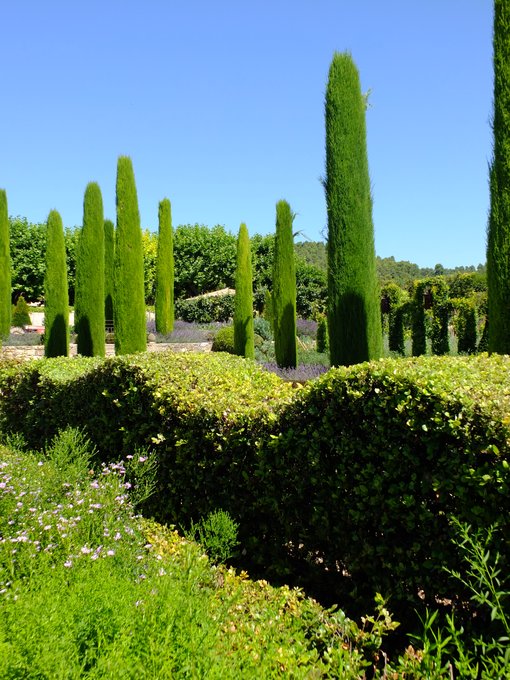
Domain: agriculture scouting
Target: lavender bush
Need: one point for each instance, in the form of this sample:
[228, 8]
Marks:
[306, 328]
[301, 373]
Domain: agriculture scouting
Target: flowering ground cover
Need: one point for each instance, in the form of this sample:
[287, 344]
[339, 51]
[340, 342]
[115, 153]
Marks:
[89, 589]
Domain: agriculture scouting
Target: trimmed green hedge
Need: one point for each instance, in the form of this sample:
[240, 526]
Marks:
[357, 472]
[206, 309]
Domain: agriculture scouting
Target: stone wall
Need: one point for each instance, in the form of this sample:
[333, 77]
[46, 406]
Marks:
[37, 351]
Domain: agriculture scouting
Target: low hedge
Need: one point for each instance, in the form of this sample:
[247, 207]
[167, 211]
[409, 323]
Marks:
[356, 473]
[371, 462]
[206, 308]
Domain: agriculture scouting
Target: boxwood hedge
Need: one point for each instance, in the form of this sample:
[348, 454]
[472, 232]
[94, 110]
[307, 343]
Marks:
[357, 473]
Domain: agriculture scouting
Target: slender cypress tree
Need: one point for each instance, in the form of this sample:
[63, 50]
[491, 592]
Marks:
[165, 270]
[5, 269]
[109, 249]
[89, 287]
[129, 298]
[56, 298]
[354, 316]
[498, 233]
[284, 289]
[244, 338]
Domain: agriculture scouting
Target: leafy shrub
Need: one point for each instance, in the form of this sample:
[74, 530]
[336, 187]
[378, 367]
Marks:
[264, 352]
[20, 313]
[224, 340]
[361, 468]
[217, 534]
[24, 339]
[453, 645]
[206, 308]
[262, 327]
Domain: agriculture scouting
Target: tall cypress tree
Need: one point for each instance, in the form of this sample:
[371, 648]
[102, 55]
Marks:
[284, 289]
[244, 338]
[109, 250]
[164, 303]
[354, 315]
[56, 298]
[5, 269]
[498, 233]
[89, 287]
[129, 298]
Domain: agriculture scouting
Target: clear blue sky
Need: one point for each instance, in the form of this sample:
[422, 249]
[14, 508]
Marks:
[221, 107]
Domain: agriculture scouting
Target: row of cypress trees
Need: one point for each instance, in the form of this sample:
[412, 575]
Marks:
[283, 294]
[109, 274]
[354, 319]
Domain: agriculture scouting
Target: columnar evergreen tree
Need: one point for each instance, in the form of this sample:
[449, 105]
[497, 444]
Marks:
[129, 300]
[109, 250]
[244, 339]
[89, 316]
[5, 269]
[498, 236]
[164, 303]
[354, 317]
[284, 289]
[56, 298]
[418, 328]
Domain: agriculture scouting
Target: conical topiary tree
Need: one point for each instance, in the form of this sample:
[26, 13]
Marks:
[109, 250]
[21, 313]
[354, 317]
[129, 300]
[284, 289]
[244, 338]
[89, 314]
[164, 303]
[498, 233]
[5, 269]
[56, 298]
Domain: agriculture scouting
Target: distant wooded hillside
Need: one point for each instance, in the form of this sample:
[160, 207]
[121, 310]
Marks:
[401, 272]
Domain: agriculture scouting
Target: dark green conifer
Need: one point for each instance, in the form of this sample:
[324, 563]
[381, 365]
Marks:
[56, 298]
[21, 313]
[164, 303]
[129, 298]
[244, 338]
[5, 269]
[354, 318]
[498, 235]
[89, 287]
[109, 250]
[284, 289]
